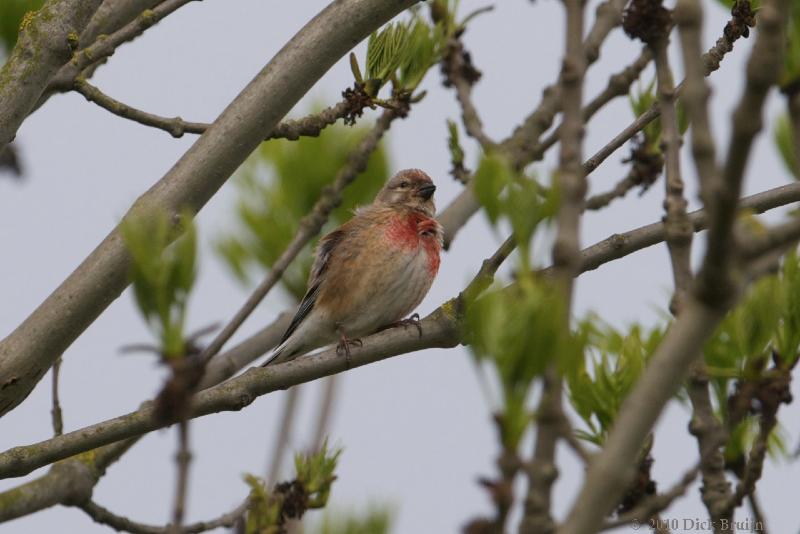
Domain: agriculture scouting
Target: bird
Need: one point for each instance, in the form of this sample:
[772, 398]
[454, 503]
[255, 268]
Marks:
[370, 272]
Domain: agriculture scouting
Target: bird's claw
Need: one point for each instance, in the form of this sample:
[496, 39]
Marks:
[344, 345]
[405, 323]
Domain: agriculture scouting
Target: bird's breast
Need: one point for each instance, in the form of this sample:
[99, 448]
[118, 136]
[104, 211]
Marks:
[415, 233]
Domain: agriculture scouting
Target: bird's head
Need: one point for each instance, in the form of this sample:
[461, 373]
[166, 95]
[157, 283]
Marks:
[410, 188]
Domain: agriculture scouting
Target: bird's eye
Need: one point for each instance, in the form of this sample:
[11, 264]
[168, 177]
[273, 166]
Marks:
[403, 185]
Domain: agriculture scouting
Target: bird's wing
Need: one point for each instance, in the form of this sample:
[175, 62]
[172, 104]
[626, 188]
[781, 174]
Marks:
[323, 255]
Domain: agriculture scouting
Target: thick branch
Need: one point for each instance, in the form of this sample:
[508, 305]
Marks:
[44, 45]
[33, 347]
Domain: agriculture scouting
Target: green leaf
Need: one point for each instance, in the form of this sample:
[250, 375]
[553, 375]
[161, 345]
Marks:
[494, 173]
[162, 273]
[597, 392]
[453, 143]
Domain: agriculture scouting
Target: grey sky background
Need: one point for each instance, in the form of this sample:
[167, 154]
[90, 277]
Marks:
[416, 429]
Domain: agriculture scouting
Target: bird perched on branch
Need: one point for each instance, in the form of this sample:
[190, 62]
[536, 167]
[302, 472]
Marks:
[370, 272]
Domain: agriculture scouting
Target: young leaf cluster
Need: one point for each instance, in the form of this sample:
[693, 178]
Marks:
[279, 185]
[598, 387]
[400, 52]
[268, 510]
[519, 333]
[503, 192]
[315, 471]
[784, 141]
[162, 273]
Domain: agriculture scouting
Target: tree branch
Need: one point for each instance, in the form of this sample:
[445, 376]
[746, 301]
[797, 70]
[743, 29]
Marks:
[104, 516]
[44, 45]
[105, 46]
[33, 347]
[678, 227]
[310, 126]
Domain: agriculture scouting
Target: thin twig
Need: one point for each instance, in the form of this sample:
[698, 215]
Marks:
[679, 229]
[310, 126]
[618, 85]
[308, 227]
[106, 45]
[620, 189]
[105, 517]
[58, 418]
[182, 460]
[462, 75]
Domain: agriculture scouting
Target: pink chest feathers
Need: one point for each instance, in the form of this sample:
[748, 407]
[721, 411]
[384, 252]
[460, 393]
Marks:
[416, 230]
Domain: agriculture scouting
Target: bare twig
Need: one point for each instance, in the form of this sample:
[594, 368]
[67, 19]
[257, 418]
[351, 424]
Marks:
[310, 126]
[182, 460]
[105, 46]
[308, 227]
[58, 418]
[618, 85]
[462, 75]
[105, 517]
[679, 229]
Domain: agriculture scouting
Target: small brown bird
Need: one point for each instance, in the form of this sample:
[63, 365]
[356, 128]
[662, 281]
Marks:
[370, 272]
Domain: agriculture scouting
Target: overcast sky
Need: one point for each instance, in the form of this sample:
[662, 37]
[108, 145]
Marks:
[416, 429]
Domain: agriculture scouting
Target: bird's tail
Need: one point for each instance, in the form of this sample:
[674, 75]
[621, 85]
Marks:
[283, 353]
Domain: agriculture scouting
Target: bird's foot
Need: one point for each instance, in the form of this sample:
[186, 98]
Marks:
[405, 323]
[344, 346]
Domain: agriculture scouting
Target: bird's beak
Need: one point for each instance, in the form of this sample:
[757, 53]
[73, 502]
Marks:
[426, 191]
